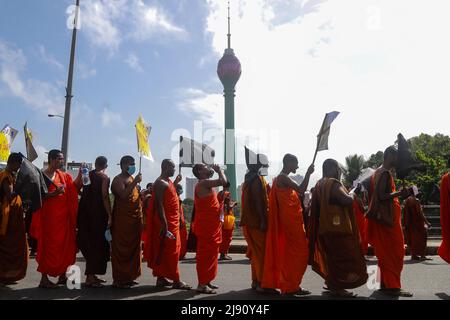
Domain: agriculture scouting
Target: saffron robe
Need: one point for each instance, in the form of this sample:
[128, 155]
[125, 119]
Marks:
[444, 249]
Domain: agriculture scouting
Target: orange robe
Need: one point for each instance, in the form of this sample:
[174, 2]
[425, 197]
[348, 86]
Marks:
[286, 255]
[361, 221]
[165, 252]
[208, 230]
[227, 236]
[183, 233]
[444, 249]
[13, 240]
[388, 243]
[54, 227]
[335, 256]
[126, 229]
[250, 222]
[415, 231]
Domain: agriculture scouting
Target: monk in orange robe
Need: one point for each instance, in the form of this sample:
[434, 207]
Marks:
[228, 224]
[254, 213]
[13, 240]
[384, 227]
[416, 229]
[164, 229]
[127, 225]
[208, 227]
[335, 251]
[286, 256]
[361, 221]
[183, 227]
[444, 249]
[54, 225]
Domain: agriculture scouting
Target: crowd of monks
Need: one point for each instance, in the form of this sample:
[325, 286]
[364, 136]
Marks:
[331, 232]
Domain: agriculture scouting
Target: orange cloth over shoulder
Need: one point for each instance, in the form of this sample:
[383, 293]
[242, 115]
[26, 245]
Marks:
[54, 227]
[208, 230]
[163, 253]
[286, 253]
[388, 242]
[361, 221]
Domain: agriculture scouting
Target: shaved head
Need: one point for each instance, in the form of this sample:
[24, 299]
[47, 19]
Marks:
[331, 169]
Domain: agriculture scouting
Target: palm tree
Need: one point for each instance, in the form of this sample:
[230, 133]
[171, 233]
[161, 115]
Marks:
[353, 166]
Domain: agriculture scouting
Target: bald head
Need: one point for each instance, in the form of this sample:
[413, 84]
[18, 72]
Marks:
[167, 168]
[331, 169]
[290, 163]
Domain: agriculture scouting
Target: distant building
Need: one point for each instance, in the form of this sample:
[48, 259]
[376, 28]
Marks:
[239, 193]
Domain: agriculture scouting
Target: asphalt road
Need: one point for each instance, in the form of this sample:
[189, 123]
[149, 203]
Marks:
[428, 280]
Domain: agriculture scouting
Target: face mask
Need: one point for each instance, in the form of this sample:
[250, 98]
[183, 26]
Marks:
[264, 171]
[131, 170]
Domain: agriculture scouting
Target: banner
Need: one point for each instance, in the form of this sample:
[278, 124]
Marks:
[7, 136]
[143, 132]
[322, 138]
[31, 152]
[193, 152]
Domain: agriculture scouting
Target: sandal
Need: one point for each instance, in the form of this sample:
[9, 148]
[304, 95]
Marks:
[163, 282]
[205, 290]
[302, 292]
[181, 286]
[211, 286]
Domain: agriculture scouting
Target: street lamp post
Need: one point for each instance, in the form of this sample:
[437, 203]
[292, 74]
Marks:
[65, 136]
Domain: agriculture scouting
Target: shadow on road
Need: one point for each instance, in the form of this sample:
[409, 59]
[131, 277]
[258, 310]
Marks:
[443, 296]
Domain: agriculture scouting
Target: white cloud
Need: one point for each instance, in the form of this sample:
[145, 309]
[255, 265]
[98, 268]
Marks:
[108, 23]
[110, 118]
[372, 61]
[37, 94]
[208, 107]
[49, 59]
[133, 62]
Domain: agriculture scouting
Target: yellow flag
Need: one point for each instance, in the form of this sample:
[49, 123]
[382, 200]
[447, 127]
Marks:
[143, 132]
[4, 147]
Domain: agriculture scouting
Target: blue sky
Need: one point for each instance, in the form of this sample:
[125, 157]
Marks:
[378, 62]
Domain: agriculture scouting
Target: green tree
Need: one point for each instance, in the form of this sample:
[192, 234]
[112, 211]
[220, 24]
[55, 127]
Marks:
[353, 166]
[375, 160]
[433, 152]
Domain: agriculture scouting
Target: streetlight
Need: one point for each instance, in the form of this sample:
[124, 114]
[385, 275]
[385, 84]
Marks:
[55, 115]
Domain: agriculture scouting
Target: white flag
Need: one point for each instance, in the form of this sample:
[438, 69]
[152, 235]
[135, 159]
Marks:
[322, 138]
[193, 152]
[10, 134]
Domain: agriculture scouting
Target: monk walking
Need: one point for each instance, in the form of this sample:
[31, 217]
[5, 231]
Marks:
[126, 226]
[94, 218]
[208, 226]
[286, 256]
[183, 227]
[254, 215]
[416, 229]
[334, 238]
[13, 240]
[164, 229]
[385, 232]
[227, 206]
[54, 225]
[444, 249]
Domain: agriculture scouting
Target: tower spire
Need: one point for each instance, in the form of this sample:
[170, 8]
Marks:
[229, 29]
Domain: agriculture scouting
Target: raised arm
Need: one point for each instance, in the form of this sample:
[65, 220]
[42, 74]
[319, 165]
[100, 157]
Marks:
[383, 187]
[121, 190]
[340, 195]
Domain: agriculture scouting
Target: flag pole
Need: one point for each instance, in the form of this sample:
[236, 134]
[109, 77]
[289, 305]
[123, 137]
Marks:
[318, 139]
[179, 156]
